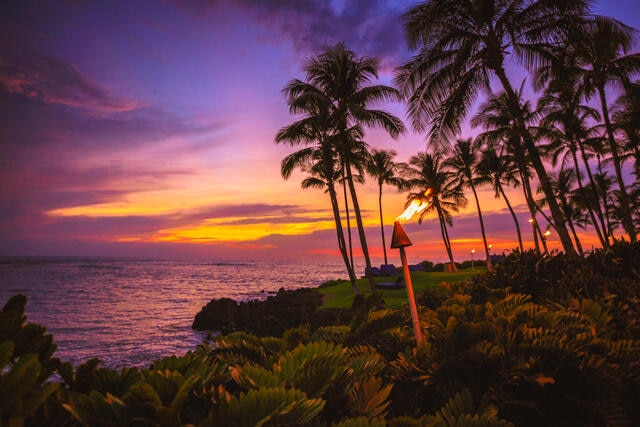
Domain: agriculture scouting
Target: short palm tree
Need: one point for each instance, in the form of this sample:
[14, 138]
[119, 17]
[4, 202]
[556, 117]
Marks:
[461, 46]
[499, 170]
[340, 80]
[385, 170]
[564, 187]
[428, 171]
[464, 160]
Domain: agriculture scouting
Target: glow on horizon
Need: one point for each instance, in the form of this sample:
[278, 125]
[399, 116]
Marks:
[221, 230]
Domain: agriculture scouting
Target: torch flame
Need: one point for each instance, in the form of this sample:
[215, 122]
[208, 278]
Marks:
[416, 206]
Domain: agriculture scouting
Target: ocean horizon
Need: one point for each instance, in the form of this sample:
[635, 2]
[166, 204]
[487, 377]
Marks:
[130, 311]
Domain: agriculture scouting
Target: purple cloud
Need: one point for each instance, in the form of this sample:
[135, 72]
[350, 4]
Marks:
[368, 27]
[52, 81]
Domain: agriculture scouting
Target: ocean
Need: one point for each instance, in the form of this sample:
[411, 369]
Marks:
[130, 312]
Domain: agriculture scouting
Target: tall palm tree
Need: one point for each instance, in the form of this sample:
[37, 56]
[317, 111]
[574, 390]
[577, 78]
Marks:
[602, 52]
[426, 171]
[385, 170]
[626, 118]
[464, 159]
[321, 164]
[461, 46]
[340, 80]
[318, 158]
[565, 124]
[499, 170]
[497, 119]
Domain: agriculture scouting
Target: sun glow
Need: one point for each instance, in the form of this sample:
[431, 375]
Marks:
[224, 230]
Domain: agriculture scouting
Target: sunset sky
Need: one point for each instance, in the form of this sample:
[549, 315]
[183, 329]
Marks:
[145, 128]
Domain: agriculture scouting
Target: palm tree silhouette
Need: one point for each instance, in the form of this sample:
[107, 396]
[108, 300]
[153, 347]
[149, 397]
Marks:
[461, 46]
[602, 49]
[464, 159]
[319, 160]
[499, 170]
[340, 81]
[428, 171]
[383, 168]
[495, 116]
[565, 123]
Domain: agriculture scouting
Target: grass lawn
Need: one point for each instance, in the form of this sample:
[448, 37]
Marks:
[341, 294]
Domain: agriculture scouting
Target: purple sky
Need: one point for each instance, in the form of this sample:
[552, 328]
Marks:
[145, 128]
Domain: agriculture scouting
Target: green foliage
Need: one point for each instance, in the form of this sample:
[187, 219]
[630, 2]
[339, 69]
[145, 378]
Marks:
[491, 356]
[268, 406]
[460, 411]
[278, 313]
[25, 364]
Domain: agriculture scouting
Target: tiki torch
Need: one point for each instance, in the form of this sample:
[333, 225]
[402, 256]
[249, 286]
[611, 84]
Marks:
[400, 240]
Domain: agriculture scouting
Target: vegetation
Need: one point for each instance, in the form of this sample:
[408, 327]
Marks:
[334, 103]
[540, 339]
[572, 138]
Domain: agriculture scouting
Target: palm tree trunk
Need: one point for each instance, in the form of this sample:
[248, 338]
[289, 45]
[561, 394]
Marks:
[597, 208]
[590, 209]
[341, 243]
[528, 196]
[346, 209]
[363, 237]
[484, 236]
[575, 238]
[534, 156]
[445, 235]
[384, 245]
[605, 200]
[627, 221]
[515, 218]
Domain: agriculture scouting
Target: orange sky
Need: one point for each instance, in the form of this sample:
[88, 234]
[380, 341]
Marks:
[148, 131]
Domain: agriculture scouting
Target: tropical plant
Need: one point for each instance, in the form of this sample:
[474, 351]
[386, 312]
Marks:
[500, 130]
[602, 48]
[320, 160]
[464, 159]
[566, 194]
[461, 46]
[339, 81]
[626, 117]
[428, 171]
[383, 168]
[566, 125]
[26, 364]
[499, 170]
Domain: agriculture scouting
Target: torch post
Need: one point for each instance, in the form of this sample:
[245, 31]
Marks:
[400, 240]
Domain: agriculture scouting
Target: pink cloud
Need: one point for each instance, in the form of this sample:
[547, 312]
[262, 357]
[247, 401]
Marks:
[52, 81]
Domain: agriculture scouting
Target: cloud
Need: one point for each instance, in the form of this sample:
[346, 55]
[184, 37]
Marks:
[368, 27]
[52, 81]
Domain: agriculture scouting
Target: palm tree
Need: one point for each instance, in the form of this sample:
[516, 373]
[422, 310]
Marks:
[319, 160]
[602, 53]
[565, 124]
[499, 170]
[426, 171]
[340, 80]
[495, 116]
[383, 168]
[565, 193]
[462, 45]
[464, 159]
[627, 119]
